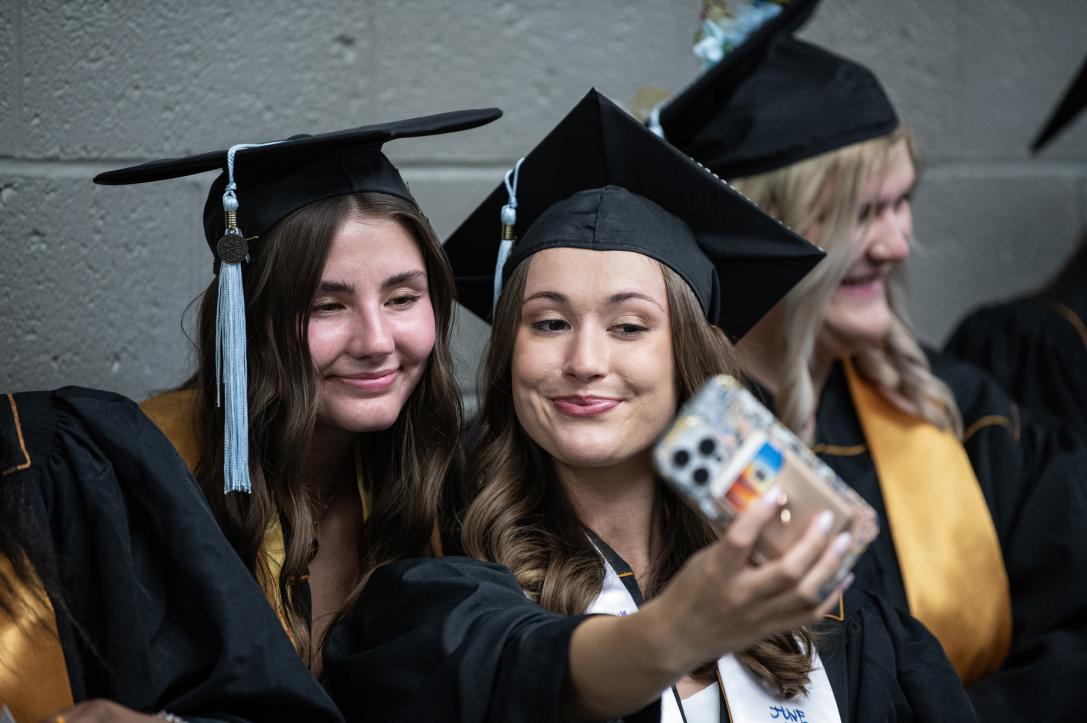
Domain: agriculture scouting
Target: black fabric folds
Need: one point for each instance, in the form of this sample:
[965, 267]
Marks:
[1036, 348]
[170, 617]
[448, 639]
[1034, 480]
[456, 640]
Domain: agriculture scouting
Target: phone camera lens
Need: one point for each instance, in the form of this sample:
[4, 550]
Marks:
[681, 457]
[701, 475]
[707, 445]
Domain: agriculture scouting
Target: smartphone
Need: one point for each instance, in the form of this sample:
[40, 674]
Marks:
[725, 450]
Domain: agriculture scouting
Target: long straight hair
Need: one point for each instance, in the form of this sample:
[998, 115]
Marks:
[522, 518]
[825, 190]
[405, 465]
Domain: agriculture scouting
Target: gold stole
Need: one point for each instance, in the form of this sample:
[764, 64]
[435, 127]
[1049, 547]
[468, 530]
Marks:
[943, 532]
[273, 551]
[33, 674]
[173, 414]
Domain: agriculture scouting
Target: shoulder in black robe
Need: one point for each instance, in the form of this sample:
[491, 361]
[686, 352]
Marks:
[457, 640]
[170, 617]
[1036, 348]
[1034, 480]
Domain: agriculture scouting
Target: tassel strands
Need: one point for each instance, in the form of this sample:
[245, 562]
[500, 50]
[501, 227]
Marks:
[231, 368]
[509, 221]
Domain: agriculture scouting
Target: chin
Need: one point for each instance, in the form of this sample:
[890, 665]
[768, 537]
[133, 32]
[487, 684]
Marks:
[372, 415]
[590, 451]
[848, 333]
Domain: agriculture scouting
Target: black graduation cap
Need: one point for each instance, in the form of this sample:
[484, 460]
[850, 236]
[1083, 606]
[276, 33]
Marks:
[774, 101]
[1072, 103]
[274, 180]
[601, 180]
[262, 183]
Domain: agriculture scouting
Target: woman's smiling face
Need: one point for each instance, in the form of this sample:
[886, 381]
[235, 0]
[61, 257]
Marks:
[371, 326]
[858, 314]
[593, 374]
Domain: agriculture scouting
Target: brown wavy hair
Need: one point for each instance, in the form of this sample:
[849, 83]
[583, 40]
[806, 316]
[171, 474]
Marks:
[405, 465]
[522, 518]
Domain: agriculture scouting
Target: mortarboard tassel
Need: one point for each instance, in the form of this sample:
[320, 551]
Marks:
[231, 371]
[509, 221]
[653, 123]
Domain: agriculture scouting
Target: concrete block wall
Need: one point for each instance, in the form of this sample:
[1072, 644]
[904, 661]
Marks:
[94, 281]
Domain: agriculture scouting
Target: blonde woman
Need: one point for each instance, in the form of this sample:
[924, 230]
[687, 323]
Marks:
[981, 539]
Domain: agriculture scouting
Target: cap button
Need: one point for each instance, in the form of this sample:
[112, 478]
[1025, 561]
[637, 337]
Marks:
[232, 248]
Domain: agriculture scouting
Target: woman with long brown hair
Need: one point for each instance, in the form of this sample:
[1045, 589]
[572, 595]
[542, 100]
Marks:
[969, 487]
[604, 325]
[323, 416]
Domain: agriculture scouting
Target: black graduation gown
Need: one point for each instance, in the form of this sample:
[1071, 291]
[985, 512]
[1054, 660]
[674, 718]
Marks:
[1036, 348]
[175, 620]
[1034, 480]
[456, 640]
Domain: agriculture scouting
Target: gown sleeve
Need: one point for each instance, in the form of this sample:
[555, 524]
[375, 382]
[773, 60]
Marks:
[1034, 477]
[457, 640]
[448, 639]
[161, 614]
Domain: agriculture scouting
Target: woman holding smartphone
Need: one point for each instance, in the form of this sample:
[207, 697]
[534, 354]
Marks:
[969, 487]
[321, 432]
[603, 327]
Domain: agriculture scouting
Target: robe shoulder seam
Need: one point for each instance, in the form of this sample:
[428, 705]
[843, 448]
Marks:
[1072, 318]
[840, 450]
[994, 420]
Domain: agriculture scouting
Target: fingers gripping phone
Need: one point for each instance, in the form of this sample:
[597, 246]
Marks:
[725, 450]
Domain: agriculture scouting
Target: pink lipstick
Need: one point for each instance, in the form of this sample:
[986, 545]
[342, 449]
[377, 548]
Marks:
[584, 406]
[371, 382]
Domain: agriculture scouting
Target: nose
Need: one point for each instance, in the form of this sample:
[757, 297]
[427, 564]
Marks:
[370, 335]
[891, 233]
[587, 355]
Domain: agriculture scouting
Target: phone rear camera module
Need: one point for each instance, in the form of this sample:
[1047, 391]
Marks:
[681, 458]
[707, 445]
[701, 476]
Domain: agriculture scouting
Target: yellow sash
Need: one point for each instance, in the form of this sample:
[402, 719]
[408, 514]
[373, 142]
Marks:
[173, 414]
[947, 546]
[33, 675]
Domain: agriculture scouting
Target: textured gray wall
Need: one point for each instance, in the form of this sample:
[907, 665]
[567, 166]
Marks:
[93, 281]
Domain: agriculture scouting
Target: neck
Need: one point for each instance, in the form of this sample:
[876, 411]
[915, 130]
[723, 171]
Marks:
[330, 458]
[821, 365]
[617, 503]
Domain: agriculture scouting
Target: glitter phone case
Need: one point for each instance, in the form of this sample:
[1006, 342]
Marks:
[725, 450]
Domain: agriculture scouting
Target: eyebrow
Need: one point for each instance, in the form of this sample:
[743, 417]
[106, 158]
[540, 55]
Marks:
[614, 299]
[335, 287]
[403, 277]
[331, 286]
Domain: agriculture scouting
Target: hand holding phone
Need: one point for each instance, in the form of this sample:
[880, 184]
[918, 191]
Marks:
[725, 450]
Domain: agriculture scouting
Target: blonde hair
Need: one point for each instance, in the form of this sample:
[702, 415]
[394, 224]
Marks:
[825, 190]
